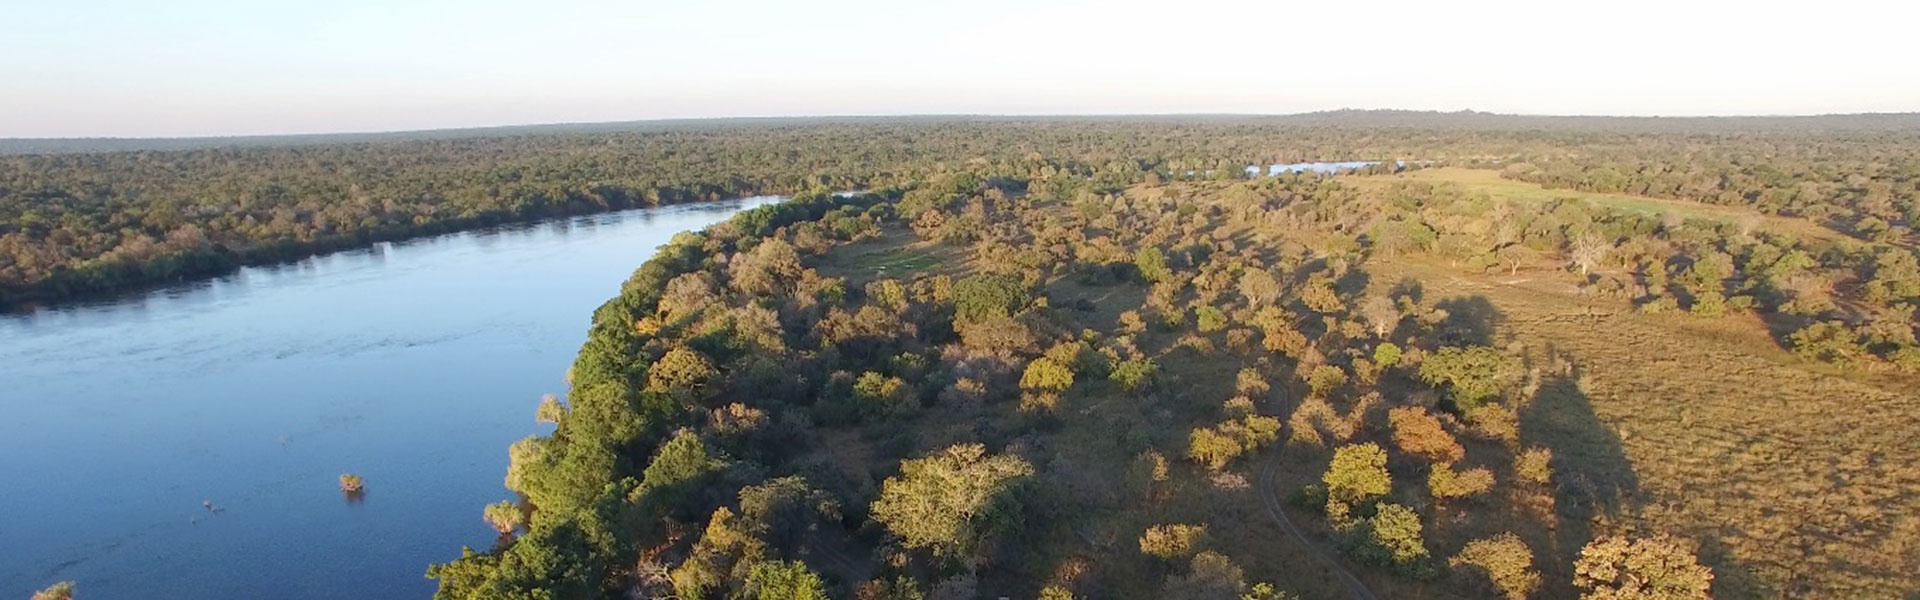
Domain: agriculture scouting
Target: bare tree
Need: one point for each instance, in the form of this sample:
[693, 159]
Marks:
[1588, 250]
[1380, 312]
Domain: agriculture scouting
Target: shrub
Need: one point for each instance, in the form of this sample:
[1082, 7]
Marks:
[1661, 567]
[1325, 378]
[1357, 474]
[1507, 562]
[681, 371]
[1172, 540]
[952, 499]
[1055, 592]
[1047, 375]
[1212, 576]
[1152, 264]
[1419, 433]
[1212, 448]
[1135, 373]
[550, 411]
[782, 580]
[980, 297]
[1472, 374]
[1444, 483]
[1248, 382]
[58, 591]
[504, 516]
[1535, 465]
[1830, 341]
[1386, 355]
[1393, 536]
[1209, 319]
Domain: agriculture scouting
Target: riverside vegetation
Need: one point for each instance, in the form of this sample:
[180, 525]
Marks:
[1063, 381]
[1059, 358]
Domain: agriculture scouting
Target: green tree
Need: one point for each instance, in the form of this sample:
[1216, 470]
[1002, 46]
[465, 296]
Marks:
[681, 372]
[1357, 474]
[1209, 319]
[980, 297]
[1472, 374]
[504, 516]
[1394, 535]
[782, 580]
[1152, 264]
[1135, 373]
[1047, 375]
[952, 500]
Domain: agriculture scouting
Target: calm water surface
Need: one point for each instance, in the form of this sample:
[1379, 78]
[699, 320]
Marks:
[413, 364]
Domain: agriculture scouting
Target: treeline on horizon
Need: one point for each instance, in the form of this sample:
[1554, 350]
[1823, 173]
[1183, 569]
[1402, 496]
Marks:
[82, 223]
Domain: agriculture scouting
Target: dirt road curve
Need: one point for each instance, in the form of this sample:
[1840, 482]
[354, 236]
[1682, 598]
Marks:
[1271, 500]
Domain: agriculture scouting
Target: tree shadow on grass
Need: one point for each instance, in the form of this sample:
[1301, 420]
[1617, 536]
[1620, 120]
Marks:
[1470, 321]
[1592, 476]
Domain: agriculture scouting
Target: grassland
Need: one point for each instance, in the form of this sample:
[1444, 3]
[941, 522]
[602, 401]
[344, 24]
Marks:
[1490, 183]
[1796, 479]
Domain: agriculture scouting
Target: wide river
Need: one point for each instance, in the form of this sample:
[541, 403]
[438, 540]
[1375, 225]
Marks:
[413, 364]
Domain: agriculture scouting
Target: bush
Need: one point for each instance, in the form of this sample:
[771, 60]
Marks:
[1212, 448]
[1444, 483]
[1134, 374]
[504, 516]
[1393, 538]
[1830, 341]
[1212, 576]
[1386, 355]
[1172, 540]
[1047, 375]
[782, 580]
[1419, 433]
[58, 591]
[1507, 562]
[1472, 374]
[1325, 378]
[1661, 567]
[1535, 465]
[951, 500]
[1210, 319]
[981, 297]
[1357, 474]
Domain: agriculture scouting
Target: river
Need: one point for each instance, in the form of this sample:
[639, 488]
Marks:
[413, 364]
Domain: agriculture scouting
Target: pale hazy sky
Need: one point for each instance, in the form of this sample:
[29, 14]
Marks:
[218, 67]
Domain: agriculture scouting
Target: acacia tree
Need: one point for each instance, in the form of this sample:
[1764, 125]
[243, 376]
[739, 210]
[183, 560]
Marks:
[952, 500]
[1657, 568]
[1473, 374]
[1507, 562]
[1259, 287]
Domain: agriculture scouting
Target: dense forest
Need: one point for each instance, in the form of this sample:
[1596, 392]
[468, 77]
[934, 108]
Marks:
[73, 223]
[1518, 357]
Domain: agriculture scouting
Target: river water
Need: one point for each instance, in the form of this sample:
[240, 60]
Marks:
[412, 364]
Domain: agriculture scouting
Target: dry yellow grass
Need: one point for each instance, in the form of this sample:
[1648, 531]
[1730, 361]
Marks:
[1798, 481]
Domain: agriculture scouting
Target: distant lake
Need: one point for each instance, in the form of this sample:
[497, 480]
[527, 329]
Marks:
[1316, 167]
[413, 364]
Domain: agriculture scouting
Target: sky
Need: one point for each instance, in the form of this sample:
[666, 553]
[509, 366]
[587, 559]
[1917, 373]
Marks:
[142, 68]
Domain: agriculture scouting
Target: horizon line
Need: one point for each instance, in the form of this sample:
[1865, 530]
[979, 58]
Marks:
[956, 116]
